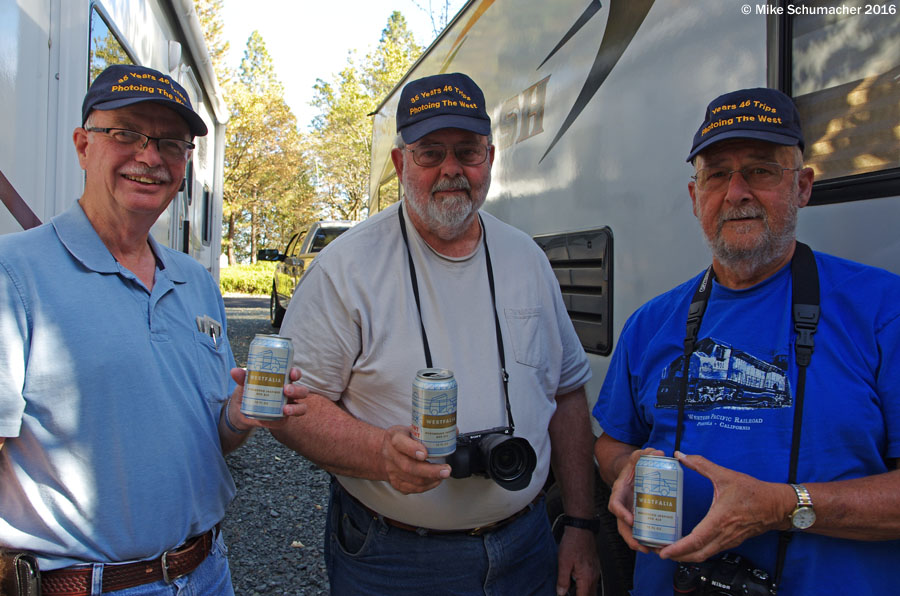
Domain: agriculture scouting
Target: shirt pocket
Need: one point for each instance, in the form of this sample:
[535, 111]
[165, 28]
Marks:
[527, 335]
[212, 370]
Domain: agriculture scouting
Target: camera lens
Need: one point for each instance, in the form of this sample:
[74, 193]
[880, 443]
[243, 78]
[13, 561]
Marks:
[510, 460]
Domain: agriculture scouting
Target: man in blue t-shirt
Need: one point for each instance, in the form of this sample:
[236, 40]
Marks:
[731, 406]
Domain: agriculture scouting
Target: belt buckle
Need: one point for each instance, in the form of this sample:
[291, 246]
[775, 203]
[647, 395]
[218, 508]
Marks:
[482, 530]
[165, 568]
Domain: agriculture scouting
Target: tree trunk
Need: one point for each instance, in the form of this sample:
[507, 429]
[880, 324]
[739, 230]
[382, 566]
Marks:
[230, 240]
[254, 222]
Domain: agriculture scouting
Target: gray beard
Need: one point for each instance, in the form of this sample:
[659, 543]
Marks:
[449, 217]
[770, 248]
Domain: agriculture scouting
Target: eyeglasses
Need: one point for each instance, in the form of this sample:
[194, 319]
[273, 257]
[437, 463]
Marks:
[759, 176]
[171, 149]
[468, 154]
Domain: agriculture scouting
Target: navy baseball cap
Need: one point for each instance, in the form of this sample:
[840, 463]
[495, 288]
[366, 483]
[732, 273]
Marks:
[441, 101]
[122, 85]
[761, 113]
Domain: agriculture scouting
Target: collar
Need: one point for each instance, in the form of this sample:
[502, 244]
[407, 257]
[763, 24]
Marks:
[411, 228]
[78, 235]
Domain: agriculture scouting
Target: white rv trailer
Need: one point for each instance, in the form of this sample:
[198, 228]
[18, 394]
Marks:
[50, 52]
[594, 104]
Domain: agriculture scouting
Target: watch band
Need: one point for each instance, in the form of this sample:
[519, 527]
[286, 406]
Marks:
[804, 514]
[579, 522]
[803, 498]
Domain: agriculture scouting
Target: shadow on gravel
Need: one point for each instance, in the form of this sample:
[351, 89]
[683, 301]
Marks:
[274, 527]
[241, 301]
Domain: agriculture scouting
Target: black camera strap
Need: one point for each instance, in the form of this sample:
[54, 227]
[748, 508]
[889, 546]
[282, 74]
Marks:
[490, 274]
[805, 311]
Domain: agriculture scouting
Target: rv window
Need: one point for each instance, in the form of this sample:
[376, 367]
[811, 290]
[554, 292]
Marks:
[844, 80]
[582, 262]
[207, 215]
[188, 189]
[105, 48]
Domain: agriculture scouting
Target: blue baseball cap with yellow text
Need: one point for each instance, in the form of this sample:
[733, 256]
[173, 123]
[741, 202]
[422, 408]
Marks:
[123, 85]
[760, 113]
[441, 101]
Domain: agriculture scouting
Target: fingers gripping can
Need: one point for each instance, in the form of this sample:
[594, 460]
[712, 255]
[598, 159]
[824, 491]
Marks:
[658, 486]
[268, 371]
[434, 410]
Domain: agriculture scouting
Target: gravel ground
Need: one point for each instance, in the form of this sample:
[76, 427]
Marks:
[274, 528]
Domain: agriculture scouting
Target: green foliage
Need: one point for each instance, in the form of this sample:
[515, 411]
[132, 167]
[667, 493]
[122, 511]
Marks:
[247, 279]
[277, 179]
[268, 189]
[209, 13]
[105, 49]
[341, 138]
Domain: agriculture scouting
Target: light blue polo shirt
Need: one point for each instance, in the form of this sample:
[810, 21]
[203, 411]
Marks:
[111, 397]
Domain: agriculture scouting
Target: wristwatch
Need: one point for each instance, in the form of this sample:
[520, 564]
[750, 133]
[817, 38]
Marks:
[803, 516]
[579, 522]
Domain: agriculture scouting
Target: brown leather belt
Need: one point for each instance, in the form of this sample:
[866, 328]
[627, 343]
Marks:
[479, 531]
[76, 581]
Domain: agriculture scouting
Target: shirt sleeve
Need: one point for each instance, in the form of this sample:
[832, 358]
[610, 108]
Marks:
[888, 383]
[13, 347]
[616, 409]
[324, 331]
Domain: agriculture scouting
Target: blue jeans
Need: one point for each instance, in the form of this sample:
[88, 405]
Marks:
[211, 578]
[366, 556]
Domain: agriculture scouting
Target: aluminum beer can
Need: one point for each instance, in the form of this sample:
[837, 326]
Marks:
[434, 410]
[268, 371]
[658, 486]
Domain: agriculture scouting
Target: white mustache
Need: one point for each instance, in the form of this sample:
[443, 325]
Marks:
[455, 183]
[742, 213]
[159, 174]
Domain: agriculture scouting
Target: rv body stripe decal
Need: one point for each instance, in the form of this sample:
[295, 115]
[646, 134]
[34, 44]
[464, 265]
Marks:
[17, 205]
[625, 18]
[461, 37]
[590, 11]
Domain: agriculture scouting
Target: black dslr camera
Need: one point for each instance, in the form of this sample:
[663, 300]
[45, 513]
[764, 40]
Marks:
[508, 460]
[730, 574]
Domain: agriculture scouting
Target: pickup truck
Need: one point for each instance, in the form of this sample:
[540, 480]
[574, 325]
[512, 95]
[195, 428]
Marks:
[292, 263]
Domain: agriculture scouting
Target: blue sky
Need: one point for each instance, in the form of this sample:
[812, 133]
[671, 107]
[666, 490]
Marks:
[309, 39]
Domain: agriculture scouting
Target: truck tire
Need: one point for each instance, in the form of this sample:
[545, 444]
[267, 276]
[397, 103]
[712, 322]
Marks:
[616, 559]
[276, 312]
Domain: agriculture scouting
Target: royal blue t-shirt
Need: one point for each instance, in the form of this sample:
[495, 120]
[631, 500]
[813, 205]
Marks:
[740, 408]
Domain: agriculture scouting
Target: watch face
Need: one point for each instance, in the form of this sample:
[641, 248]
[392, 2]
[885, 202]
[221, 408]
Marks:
[803, 518]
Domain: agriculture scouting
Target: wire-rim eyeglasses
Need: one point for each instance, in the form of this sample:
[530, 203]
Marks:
[173, 149]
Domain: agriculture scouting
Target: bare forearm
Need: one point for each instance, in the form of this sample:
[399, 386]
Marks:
[859, 509]
[334, 440]
[612, 455]
[571, 440]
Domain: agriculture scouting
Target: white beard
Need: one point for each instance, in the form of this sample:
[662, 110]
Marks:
[770, 246]
[448, 217]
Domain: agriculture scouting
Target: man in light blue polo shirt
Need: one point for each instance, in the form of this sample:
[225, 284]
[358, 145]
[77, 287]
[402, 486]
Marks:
[114, 407]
